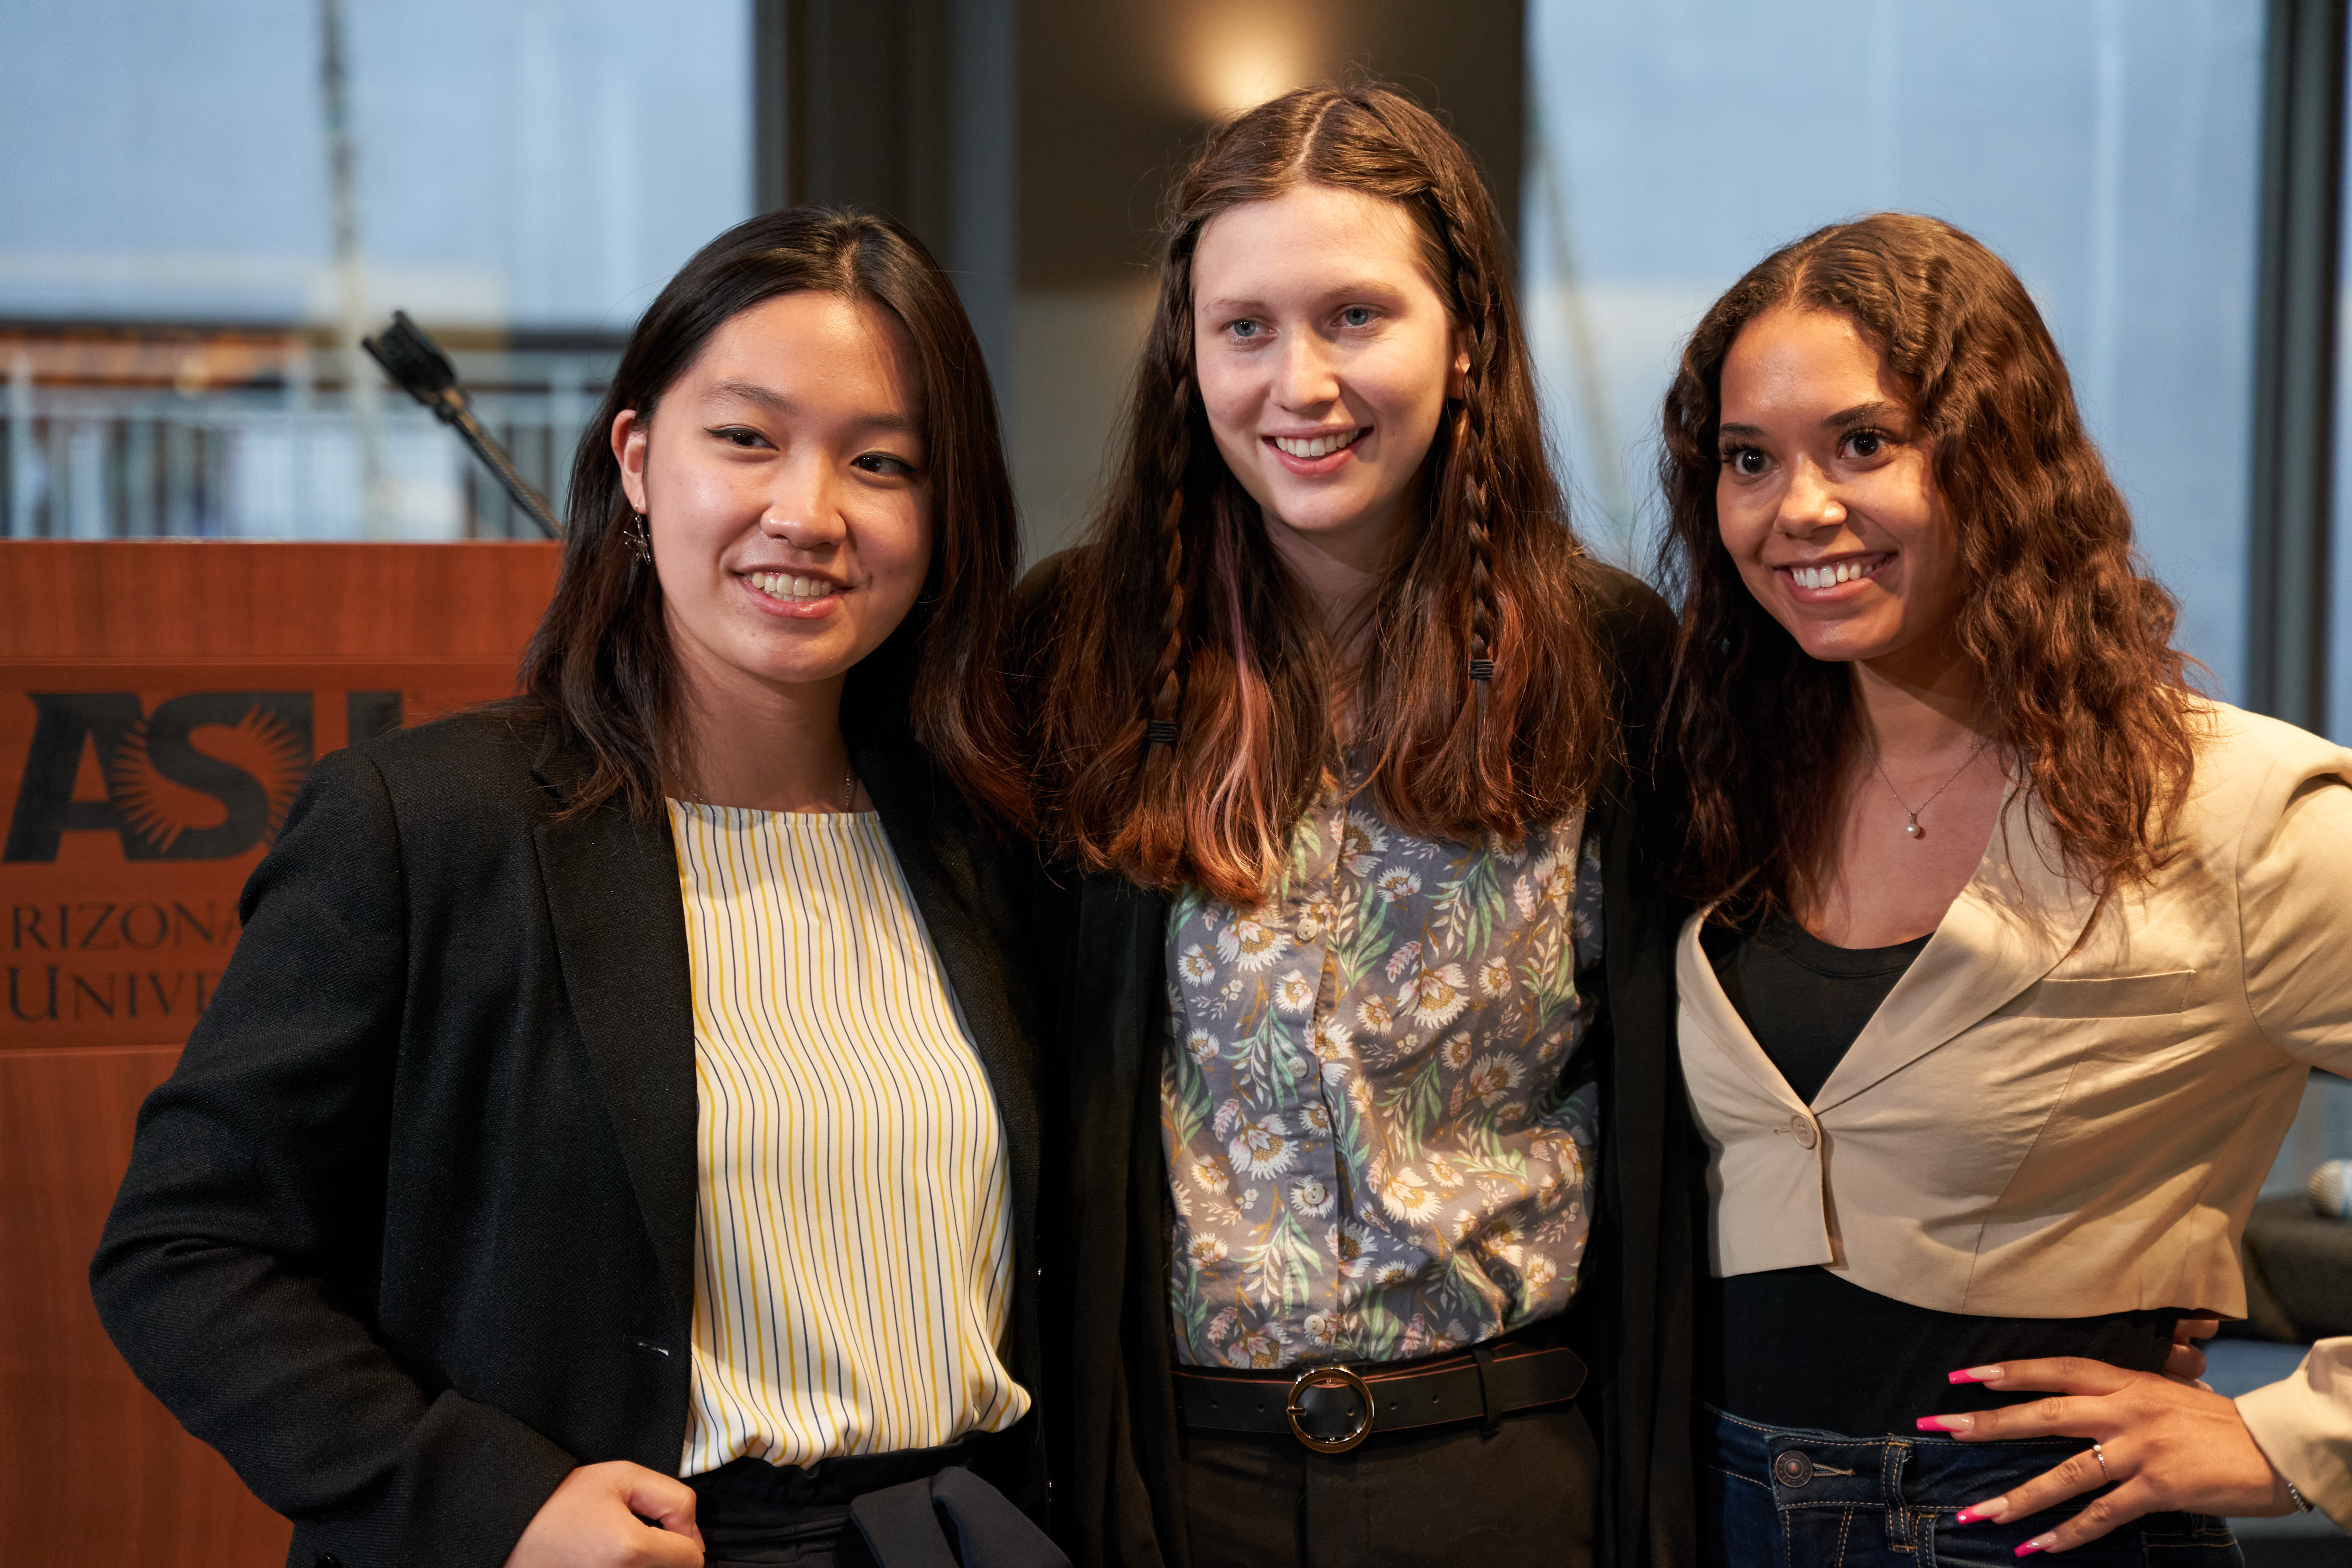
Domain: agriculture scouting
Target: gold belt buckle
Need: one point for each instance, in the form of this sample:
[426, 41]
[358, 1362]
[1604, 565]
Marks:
[1329, 1376]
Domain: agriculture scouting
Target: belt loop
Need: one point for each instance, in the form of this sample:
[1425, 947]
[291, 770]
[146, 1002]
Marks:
[1902, 1520]
[1485, 1356]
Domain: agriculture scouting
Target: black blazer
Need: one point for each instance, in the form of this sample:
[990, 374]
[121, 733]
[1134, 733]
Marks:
[409, 1233]
[1114, 1397]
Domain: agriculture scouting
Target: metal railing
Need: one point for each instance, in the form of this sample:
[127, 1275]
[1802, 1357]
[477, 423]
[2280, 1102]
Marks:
[81, 462]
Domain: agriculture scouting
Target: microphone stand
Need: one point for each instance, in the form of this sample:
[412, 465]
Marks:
[415, 362]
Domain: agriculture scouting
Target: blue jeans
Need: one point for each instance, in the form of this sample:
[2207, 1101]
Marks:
[1782, 1497]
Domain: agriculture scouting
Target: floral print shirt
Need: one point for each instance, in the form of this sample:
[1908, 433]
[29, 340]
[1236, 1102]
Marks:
[1373, 1150]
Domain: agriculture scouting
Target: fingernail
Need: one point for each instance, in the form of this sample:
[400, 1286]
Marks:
[1946, 1423]
[2032, 1546]
[1973, 1374]
[1981, 1511]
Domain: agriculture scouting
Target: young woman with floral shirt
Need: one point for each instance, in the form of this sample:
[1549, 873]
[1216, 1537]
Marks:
[1329, 719]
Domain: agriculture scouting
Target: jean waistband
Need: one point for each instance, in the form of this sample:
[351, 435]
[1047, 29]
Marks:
[1809, 1467]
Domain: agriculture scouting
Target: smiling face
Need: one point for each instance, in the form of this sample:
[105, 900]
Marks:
[784, 488]
[1325, 355]
[1825, 499]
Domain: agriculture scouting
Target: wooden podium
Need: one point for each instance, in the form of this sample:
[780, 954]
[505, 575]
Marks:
[160, 703]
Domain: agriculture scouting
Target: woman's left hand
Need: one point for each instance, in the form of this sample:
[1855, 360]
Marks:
[2166, 1445]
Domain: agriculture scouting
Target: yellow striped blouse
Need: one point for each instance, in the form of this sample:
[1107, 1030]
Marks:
[853, 1241]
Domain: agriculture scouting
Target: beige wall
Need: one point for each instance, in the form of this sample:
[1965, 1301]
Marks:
[1074, 352]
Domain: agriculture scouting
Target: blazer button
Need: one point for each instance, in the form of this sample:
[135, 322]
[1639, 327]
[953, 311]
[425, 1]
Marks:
[1802, 1128]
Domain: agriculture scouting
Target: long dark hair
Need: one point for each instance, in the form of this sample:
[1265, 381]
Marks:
[2073, 642]
[600, 666]
[1185, 713]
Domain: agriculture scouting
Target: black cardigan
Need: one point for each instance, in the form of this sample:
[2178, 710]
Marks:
[1115, 1425]
[410, 1232]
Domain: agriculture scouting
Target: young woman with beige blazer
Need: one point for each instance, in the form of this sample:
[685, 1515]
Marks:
[2014, 956]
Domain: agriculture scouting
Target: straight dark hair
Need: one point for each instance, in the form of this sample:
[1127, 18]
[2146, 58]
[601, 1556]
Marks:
[600, 667]
[2072, 641]
[1186, 712]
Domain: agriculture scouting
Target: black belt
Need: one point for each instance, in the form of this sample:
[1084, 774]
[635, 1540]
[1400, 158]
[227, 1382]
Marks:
[1332, 1408]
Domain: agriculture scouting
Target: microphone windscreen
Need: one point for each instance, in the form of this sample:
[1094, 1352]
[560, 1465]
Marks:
[413, 360]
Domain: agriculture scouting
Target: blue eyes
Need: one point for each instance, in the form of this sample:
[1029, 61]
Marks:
[1354, 317]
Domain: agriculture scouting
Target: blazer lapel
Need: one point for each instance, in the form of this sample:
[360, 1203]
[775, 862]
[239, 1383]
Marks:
[2019, 915]
[620, 932]
[1708, 1013]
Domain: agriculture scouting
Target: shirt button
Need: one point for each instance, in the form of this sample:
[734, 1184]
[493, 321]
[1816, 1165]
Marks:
[1802, 1128]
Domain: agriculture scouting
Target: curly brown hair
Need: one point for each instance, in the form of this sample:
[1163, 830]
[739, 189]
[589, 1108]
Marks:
[2073, 642]
[1185, 691]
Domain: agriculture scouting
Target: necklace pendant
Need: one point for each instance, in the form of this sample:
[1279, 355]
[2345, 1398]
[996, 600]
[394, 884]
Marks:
[1912, 828]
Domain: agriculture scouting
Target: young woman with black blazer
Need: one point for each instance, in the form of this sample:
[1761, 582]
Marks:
[1365, 997]
[633, 1079]
[2017, 951]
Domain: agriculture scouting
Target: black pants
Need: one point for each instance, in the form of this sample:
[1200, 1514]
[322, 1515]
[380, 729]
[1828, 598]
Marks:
[1522, 1494]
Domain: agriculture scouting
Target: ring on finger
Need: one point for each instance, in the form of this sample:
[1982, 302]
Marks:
[2105, 1476]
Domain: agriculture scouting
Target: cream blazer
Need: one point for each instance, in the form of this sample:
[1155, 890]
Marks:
[2067, 1105]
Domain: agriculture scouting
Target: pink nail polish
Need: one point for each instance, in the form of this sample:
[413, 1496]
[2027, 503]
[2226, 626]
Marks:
[1945, 1423]
[1966, 1516]
[1973, 1374]
[2030, 1548]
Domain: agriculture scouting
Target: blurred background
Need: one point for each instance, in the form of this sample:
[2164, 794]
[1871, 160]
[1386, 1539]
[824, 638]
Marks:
[205, 203]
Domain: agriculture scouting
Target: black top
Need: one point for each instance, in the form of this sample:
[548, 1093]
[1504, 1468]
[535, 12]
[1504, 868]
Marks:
[1803, 1000]
[1803, 1347]
[409, 1233]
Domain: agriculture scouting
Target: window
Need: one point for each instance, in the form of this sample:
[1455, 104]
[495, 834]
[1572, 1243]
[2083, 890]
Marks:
[176, 315]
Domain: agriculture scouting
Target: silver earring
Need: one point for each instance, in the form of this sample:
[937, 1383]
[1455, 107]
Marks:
[641, 544]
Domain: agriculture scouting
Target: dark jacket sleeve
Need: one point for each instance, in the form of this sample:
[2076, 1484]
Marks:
[238, 1268]
[1636, 1312]
[1110, 1420]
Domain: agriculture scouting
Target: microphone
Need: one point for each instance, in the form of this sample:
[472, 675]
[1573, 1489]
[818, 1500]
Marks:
[416, 364]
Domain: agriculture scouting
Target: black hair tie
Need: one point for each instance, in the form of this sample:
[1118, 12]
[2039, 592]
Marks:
[1161, 732]
[1482, 669]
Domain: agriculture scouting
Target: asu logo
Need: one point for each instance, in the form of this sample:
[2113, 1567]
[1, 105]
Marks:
[162, 809]
[205, 776]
